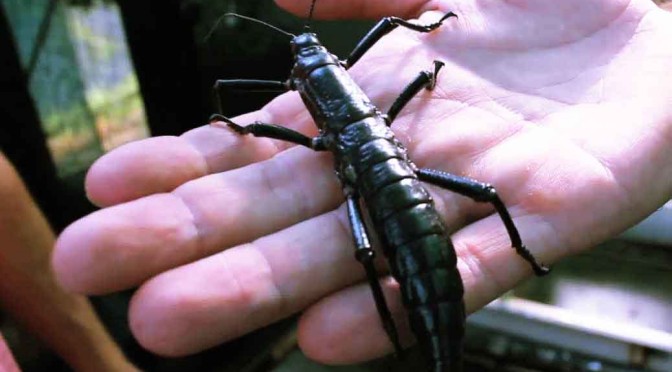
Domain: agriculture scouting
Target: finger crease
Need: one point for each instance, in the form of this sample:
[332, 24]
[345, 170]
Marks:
[279, 304]
[274, 187]
[203, 165]
[196, 227]
[478, 268]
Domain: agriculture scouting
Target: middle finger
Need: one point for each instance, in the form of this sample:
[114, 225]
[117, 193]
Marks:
[121, 246]
[236, 291]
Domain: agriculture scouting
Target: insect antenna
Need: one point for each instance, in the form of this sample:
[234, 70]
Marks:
[310, 15]
[221, 18]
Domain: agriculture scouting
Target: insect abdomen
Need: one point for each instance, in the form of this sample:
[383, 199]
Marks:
[422, 260]
[418, 249]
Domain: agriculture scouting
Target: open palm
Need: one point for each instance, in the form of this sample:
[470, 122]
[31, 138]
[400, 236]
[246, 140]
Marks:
[563, 106]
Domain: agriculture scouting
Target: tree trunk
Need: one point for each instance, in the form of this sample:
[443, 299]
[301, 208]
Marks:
[164, 55]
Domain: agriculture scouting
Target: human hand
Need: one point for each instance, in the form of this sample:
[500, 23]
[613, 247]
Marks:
[564, 107]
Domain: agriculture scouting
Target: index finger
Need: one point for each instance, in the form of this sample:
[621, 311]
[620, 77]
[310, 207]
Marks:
[161, 164]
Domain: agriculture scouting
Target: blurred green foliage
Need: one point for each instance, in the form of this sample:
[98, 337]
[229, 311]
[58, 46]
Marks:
[82, 82]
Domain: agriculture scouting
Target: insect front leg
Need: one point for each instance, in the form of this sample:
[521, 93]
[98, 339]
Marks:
[259, 129]
[365, 255]
[274, 131]
[384, 27]
[426, 79]
[245, 85]
[483, 192]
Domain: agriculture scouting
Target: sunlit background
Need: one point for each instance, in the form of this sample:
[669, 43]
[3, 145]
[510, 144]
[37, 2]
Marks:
[80, 76]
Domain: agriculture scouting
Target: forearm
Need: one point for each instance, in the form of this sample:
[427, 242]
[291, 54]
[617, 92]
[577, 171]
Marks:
[29, 293]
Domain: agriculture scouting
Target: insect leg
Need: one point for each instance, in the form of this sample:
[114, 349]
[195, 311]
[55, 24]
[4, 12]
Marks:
[365, 255]
[426, 79]
[275, 131]
[382, 28]
[246, 85]
[250, 85]
[483, 192]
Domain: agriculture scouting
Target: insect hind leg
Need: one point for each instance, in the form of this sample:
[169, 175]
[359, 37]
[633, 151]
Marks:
[483, 192]
[426, 80]
[365, 255]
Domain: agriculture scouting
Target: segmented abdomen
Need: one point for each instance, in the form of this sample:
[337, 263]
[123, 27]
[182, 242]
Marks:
[417, 245]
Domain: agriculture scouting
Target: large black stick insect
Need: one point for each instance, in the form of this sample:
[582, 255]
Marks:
[373, 166]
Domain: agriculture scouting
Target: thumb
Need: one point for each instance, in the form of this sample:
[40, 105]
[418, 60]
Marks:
[340, 9]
